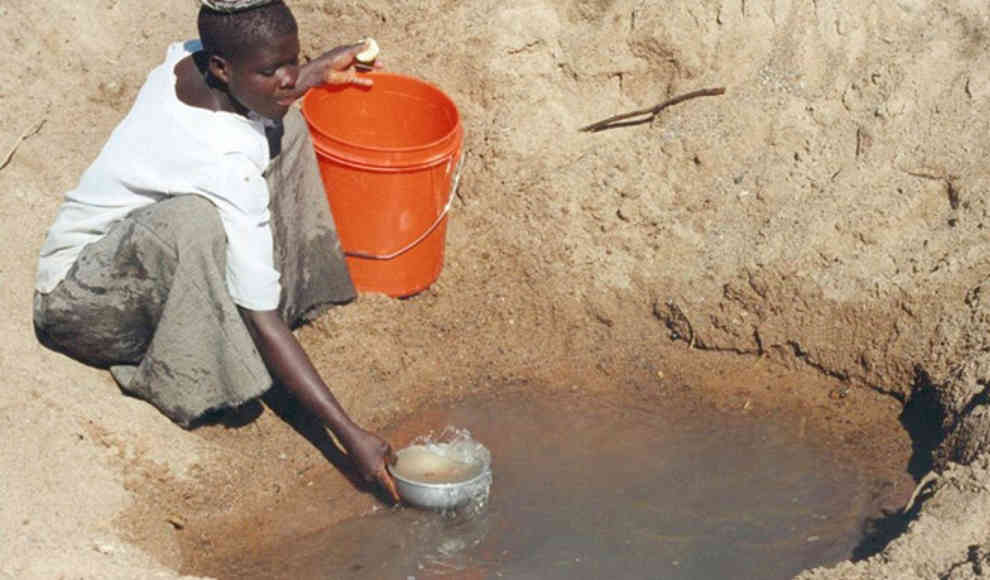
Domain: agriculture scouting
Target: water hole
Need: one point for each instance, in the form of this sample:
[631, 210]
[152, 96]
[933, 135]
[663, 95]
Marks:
[585, 488]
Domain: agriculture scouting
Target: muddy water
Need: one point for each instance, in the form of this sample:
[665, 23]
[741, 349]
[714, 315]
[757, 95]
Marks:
[587, 489]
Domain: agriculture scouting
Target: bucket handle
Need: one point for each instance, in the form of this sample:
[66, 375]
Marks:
[454, 182]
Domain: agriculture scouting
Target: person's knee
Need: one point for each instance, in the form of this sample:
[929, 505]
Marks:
[40, 316]
[186, 222]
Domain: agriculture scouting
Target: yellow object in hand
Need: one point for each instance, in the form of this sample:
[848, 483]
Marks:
[370, 53]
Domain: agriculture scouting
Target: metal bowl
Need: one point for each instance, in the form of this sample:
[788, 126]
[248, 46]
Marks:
[442, 496]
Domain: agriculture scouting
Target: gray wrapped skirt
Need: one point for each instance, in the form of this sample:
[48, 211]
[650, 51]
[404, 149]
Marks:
[149, 300]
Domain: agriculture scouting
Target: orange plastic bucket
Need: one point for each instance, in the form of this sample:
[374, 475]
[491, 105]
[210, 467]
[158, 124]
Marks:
[389, 156]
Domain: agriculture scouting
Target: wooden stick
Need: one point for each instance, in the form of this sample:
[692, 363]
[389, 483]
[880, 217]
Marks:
[27, 134]
[653, 111]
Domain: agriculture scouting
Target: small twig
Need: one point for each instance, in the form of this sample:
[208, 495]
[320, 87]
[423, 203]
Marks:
[652, 111]
[27, 134]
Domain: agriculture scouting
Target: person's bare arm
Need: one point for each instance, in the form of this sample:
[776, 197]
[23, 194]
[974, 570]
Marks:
[290, 365]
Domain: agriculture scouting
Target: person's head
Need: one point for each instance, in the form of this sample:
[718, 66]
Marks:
[254, 52]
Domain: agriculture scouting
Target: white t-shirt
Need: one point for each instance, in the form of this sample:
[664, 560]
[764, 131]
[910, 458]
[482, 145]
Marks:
[162, 148]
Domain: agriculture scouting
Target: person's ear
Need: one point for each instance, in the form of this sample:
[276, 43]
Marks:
[220, 68]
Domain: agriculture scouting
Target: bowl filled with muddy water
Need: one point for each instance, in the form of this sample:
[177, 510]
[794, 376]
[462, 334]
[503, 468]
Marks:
[443, 474]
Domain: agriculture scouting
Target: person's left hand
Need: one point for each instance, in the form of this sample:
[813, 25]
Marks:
[336, 66]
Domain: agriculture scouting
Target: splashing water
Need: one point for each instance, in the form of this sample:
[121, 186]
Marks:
[452, 457]
[455, 444]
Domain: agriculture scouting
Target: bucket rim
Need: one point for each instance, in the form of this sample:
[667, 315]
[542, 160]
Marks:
[384, 165]
[448, 136]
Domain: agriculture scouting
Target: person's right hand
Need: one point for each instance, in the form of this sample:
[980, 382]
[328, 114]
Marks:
[290, 364]
[371, 454]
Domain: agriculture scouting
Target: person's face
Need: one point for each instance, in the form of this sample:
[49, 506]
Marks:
[263, 78]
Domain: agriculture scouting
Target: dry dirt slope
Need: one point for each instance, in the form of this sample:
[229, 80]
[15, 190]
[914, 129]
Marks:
[829, 210]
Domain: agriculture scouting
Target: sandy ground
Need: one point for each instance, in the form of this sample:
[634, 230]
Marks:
[826, 217]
